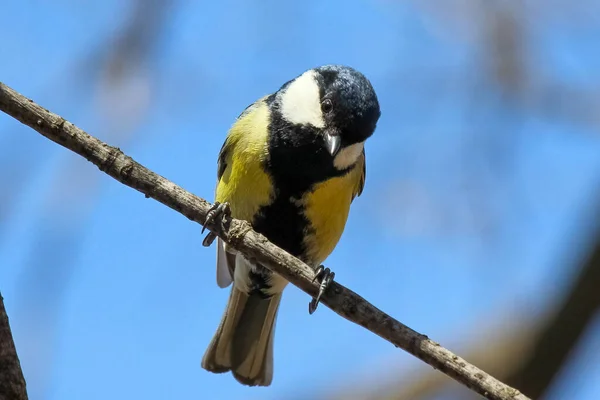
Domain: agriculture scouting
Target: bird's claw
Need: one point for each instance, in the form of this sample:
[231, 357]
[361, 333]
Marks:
[218, 210]
[209, 239]
[326, 276]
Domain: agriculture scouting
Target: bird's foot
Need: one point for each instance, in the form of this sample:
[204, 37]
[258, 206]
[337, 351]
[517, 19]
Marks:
[326, 276]
[218, 210]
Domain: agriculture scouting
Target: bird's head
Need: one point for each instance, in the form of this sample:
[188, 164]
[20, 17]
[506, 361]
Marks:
[339, 102]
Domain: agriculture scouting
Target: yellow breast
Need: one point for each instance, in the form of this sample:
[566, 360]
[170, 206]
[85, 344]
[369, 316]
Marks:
[327, 207]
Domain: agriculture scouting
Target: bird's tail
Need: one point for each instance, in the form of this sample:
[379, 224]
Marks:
[243, 343]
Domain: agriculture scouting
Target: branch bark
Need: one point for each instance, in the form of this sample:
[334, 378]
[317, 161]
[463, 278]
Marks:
[12, 382]
[241, 236]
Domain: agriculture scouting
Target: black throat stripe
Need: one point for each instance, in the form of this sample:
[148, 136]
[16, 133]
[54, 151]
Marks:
[297, 161]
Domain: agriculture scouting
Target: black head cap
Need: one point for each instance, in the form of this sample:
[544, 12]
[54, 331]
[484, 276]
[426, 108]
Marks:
[349, 103]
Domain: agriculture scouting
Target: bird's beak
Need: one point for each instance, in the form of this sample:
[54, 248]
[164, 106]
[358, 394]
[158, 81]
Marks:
[332, 141]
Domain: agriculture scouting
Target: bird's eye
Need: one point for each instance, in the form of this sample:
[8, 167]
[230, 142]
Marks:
[326, 106]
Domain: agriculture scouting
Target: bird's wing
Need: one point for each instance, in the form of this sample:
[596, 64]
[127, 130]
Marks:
[225, 260]
[361, 168]
[226, 147]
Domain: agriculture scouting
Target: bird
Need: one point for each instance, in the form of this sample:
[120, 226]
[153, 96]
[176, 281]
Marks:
[291, 165]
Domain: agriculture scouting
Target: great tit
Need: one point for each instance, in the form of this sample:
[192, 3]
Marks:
[291, 165]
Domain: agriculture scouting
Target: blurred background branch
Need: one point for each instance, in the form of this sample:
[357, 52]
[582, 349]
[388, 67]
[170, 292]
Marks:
[536, 370]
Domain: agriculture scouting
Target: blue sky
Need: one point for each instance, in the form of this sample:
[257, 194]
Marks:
[471, 207]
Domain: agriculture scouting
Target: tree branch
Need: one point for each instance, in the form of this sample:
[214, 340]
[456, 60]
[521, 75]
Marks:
[12, 383]
[253, 245]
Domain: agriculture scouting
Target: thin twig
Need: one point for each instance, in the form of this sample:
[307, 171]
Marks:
[253, 245]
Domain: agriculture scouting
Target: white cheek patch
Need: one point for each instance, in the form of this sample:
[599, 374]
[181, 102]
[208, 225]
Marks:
[348, 155]
[301, 101]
